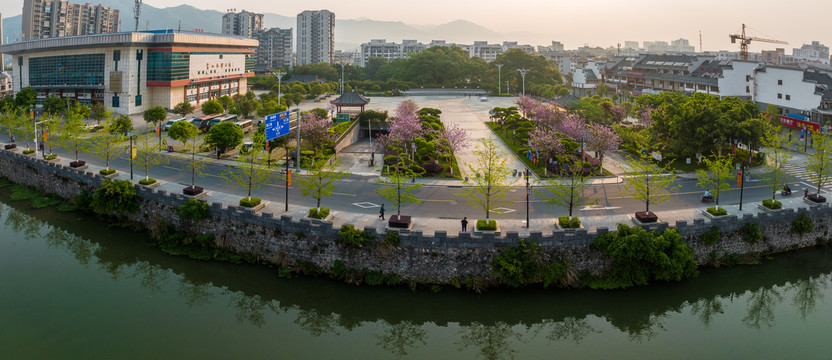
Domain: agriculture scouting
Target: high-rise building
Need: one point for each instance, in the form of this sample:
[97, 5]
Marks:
[275, 49]
[316, 37]
[2, 59]
[243, 23]
[812, 53]
[55, 18]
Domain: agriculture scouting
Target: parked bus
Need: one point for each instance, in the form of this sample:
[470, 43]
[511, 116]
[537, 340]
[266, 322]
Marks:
[198, 121]
[246, 125]
[172, 121]
[208, 124]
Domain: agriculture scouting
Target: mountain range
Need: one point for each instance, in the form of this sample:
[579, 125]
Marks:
[349, 33]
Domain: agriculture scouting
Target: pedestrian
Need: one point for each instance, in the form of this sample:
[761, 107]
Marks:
[805, 193]
[381, 212]
[465, 223]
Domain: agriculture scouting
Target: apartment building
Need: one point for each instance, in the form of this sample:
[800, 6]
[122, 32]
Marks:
[55, 18]
[275, 49]
[242, 23]
[316, 37]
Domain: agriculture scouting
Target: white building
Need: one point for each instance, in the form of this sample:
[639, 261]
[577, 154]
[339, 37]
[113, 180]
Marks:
[737, 79]
[132, 72]
[316, 37]
[243, 23]
[792, 89]
[275, 49]
[389, 51]
[812, 53]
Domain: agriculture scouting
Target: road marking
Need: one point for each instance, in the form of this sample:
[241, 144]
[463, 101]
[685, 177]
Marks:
[453, 202]
[502, 210]
[366, 205]
[279, 186]
[597, 207]
[335, 193]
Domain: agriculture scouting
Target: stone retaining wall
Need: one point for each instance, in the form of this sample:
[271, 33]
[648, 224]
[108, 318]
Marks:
[438, 258]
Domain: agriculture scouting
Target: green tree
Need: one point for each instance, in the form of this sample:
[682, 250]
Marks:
[250, 172]
[183, 131]
[649, 182]
[819, 164]
[79, 108]
[569, 191]
[212, 107]
[11, 118]
[245, 105]
[121, 125]
[71, 133]
[272, 145]
[54, 105]
[398, 190]
[98, 112]
[717, 175]
[776, 146]
[184, 108]
[226, 101]
[223, 136]
[103, 145]
[155, 115]
[321, 177]
[488, 189]
[26, 98]
[148, 154]
[114, 197]
[270, 107]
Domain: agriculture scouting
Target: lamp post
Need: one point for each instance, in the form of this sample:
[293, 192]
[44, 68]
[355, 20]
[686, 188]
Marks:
[523, 75]
[526, 174]
[372, 149]
[499, 79]
[36, 139]
[742, 181]
[342, 77]
[130, 154]
[278, 74]
[508, 90]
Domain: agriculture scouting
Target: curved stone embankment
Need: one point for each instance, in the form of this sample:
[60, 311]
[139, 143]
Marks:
[439, 258]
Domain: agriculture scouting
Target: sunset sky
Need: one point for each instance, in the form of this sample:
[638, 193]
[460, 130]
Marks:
[575, 23]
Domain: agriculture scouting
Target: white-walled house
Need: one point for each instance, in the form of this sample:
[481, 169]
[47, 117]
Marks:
[737, 80]
[795, 91]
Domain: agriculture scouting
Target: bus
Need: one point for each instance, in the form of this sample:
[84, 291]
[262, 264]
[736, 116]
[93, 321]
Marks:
[208, 124]
[198, 121]
[246, 125]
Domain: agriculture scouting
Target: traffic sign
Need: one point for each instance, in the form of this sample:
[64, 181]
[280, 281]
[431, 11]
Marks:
[277, 125]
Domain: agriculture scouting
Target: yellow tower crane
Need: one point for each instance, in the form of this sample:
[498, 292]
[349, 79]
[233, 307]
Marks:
[745, 40]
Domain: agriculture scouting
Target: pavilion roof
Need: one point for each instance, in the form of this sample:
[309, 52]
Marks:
[350, 98]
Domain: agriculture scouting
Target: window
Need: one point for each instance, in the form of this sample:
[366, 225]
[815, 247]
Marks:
[73, 70]
[115, 101]
[779, 82]
[747, 89]
[779, 96]
[788, 97]
[747, 78]
[138, 100]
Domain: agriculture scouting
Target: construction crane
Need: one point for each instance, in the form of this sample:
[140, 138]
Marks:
[745, 40]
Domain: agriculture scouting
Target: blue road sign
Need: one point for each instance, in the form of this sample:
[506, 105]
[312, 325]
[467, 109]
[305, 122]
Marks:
[277, 125]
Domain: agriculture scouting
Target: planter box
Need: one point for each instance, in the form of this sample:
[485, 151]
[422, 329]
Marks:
[151, 186]
[11, 146]
[815, 198]
[557, 227]
[645, 218]
[32, 154]
[78, 164]
[194, 192]
[401, 222]
[770, 211]
[712, 216]
[111, 176]
[256, 208]
[328, 217]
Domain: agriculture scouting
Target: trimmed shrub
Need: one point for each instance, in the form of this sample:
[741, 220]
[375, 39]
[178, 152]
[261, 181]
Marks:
[751, 233]
[50, 156]
[802, 225]
[249, 202]
[712, 236]
[28, 151]
[350, 236]
[486, 225]
[114, 197]
[772, 204]
[569, 223]
[148, 181]
[193, 210]
[318, 214]
[717, 212]
[433, 168]
[106, 172]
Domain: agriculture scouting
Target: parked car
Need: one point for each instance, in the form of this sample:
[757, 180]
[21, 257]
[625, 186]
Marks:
[170, 122]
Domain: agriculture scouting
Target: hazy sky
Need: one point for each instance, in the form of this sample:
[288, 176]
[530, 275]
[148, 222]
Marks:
[595, 22]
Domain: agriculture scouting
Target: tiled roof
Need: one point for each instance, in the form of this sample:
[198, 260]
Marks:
[350, 98]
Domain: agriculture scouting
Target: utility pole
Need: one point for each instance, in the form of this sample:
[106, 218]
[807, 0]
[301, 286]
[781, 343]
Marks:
[499, 79]
[742, 180]
[130, 154]
[297, 113]
[523, 74]
[279, 75]
[137, 10]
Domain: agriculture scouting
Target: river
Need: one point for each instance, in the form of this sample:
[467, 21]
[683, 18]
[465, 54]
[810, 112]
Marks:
[73, 287]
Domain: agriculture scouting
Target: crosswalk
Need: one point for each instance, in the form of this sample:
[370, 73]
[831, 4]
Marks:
[804, 177]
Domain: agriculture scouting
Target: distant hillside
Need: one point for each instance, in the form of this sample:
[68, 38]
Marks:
[348, 33]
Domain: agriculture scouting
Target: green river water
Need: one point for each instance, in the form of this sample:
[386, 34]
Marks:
[72, 288]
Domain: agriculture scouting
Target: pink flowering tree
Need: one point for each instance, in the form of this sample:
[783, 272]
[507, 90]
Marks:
[547, 142]
[643, 113]
[451, 139]
[314, 131]
[527, 105]
[573, 127]
[547, 116]
[602, 139]
[404, 128]
[407, 108]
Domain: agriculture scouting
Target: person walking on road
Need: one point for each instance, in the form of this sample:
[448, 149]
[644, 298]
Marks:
[465, 223]
[805, 193]
[381, 212]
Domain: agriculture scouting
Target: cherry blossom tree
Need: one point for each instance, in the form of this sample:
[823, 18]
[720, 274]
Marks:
[527, 105]
[315, 132]
[451, 139]
[602, 139]
[407, 108]
[547, 142]
[573, 127]
[547, 116]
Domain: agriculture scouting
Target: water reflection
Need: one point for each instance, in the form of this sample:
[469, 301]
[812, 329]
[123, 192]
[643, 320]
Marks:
[322, 308]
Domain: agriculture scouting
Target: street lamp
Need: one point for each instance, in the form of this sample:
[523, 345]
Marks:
[278, 74]
[499, 79]
[372, 149]
[342, 77]
[36, 139]
[523, 74]
[742, 179]
[526, 174]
